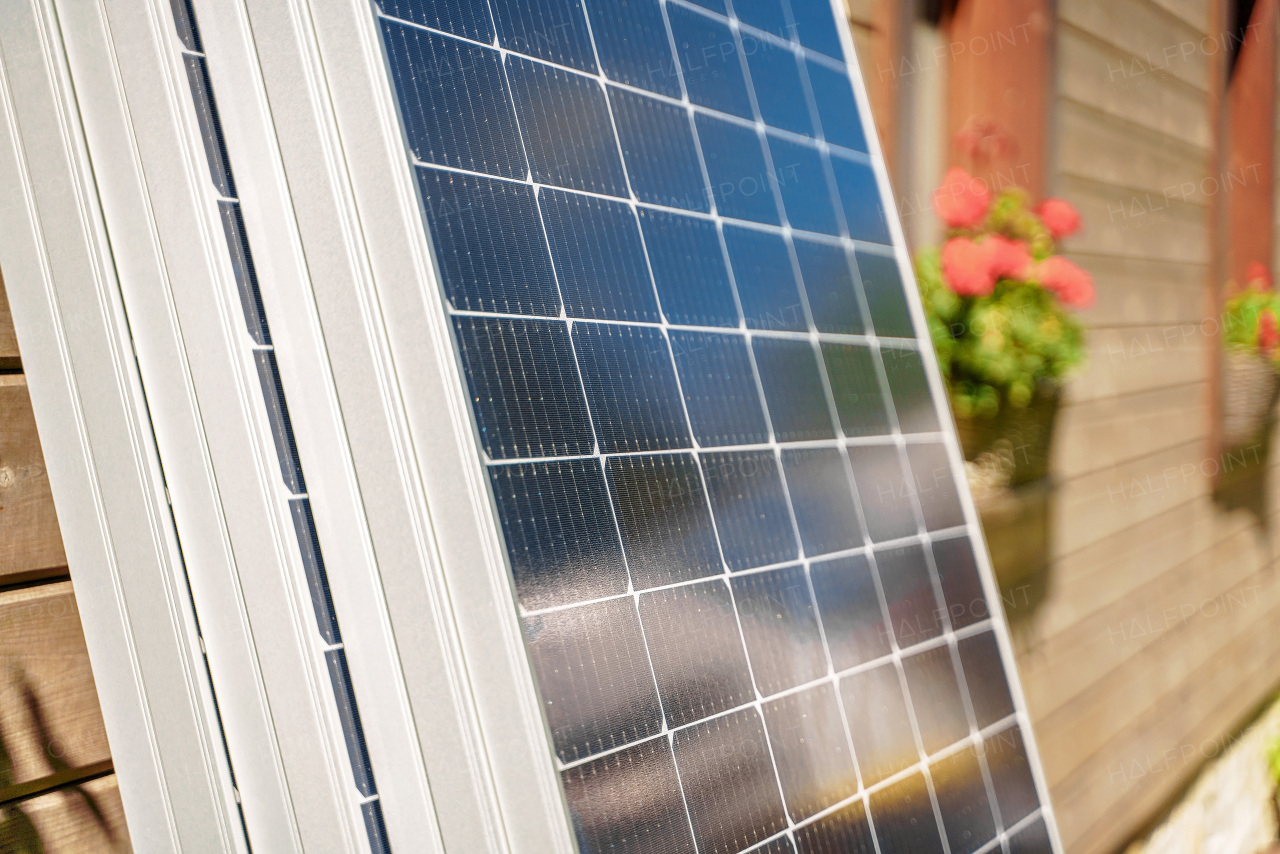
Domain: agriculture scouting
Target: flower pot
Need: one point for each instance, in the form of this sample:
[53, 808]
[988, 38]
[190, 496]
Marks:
[1022, 437]
[1250, 389]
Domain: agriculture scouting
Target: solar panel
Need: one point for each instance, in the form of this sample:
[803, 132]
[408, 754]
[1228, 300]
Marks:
[736, 543]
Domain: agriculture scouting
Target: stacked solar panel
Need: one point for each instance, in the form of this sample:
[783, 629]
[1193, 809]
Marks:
[741, 564]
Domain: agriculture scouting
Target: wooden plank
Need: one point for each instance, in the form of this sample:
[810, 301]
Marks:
[1084, 732]
[1143, 291]
[30, 541]
[1092, 72]
[49, 716]
[1129, 361]
[8, 340]
[1105, 802]
[1071, 663]
[1160, 44]
[1096, 147]
[1130, 222]
[1093, 435]
[66, 822]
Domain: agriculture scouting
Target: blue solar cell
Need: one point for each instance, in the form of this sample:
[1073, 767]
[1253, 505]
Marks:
[349, 715]
[215, 148]
[565, 124]
[961, 585]
[374, 827]
[688, 269]
[710, 61]
[524, 390]
[278, 418]
[822, 499]
[1032, 839]
[883, 492]
[802, 180]
[554, 30]
[304, 527]
[831, 287]
[985, 677]
[860, 196]
[914, 614]
[767, 15]
[467, 18]
[855, 385]
[962, 800]
[750, 508]
[631, 41]
[729, 782]
[184, 20]
[664, 519]
[837, 109]
[775, 76]
[657, 144]
[713, 5]
[904, 817]
[780, 628]
[813, 759]
[631, 388]
[561, 540]
[816, 27]
[1011, 778]
[607, 816]
[599, 257]
[696, 650]
[934, 486]
[740, 181]
[879, 724]
[912, 399]
[886, 298]
[255, 316]
[490, 249]
[935, 694]
[793, 390]
[720, 389]
[453, 102]
[594, 675]
[844, 831]
[856, 631]
[765, 278]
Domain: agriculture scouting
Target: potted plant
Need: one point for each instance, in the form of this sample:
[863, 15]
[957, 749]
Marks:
[998, 300]
[1250, 365]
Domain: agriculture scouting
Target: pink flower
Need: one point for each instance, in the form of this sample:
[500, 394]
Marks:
[1010, 259]
[1268, 332]
[1059, 216]
[1257, 273]
[1073, 286]
[962, 200]
[967, 267]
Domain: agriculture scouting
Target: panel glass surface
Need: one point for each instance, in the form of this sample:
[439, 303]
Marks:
[741, 563]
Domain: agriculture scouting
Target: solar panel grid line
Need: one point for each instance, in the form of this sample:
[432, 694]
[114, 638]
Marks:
[746, 573]
[756, 704]
[865, 792]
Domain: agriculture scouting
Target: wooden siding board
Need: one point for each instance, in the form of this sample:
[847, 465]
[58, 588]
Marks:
[49, 714]
[30, 540]
[8, 339]
[67, 825]
[1093, 72]
[1157, 41]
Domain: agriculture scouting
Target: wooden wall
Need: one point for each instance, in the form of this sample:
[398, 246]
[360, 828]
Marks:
[56, 781]
[1158, 636]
